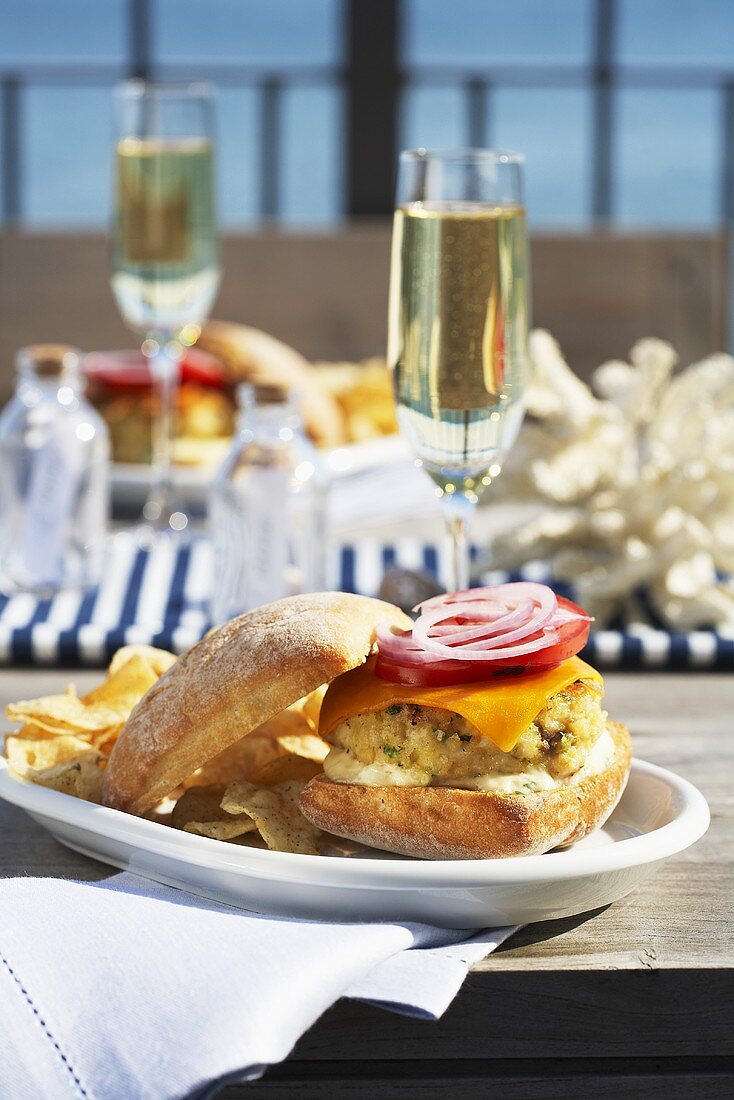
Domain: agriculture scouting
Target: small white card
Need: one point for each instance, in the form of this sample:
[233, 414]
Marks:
[266, 532]
[56, 472]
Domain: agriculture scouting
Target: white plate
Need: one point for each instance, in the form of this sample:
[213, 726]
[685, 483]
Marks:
[131, 480]
[659, 815]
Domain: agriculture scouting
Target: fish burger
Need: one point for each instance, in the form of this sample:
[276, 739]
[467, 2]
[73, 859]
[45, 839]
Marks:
[475, 733]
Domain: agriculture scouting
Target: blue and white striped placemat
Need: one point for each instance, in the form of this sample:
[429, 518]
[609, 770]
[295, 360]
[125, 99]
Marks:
[162, 598]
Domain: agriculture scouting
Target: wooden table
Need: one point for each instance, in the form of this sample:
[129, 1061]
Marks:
[635, 1000]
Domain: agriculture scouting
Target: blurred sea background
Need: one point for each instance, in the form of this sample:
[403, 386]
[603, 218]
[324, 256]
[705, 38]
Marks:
[667, 141]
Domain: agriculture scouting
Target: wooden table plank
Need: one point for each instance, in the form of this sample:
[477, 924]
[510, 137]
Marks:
[470, 1080]
[671, 1014]
[562, 1086]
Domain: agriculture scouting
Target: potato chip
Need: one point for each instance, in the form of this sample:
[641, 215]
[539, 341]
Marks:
[81, 777]
[105, 741]
[276, 814]
[364, 394]
[246, 757]
[124, 688]
[290, 721]
[310, 707]
[199, 811]
[285, 768]
[65, 739]
[63, 714]
[304, 744]
[160, 660]
[239, 761]
[33, 749]
[97, 717]
[228, 829]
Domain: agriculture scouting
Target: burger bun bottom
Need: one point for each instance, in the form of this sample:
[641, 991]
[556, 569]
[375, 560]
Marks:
[449, 823]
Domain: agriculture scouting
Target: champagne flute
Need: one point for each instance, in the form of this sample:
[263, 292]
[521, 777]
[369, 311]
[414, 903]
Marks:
[165, 255]
[458, 319]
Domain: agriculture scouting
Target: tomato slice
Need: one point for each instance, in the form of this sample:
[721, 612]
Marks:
[572, 637]
[130, 370]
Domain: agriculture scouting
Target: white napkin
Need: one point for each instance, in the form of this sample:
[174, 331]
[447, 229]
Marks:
[126, 988]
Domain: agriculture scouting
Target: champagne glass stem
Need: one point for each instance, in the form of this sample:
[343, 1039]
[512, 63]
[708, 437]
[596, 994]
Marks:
[459, 512]
[164, 368]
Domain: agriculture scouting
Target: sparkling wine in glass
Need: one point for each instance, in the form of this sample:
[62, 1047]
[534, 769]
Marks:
[458, 322]
[165, 253]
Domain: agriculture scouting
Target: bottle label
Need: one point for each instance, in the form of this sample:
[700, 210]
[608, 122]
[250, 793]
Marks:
[267, 536]
[53, 485]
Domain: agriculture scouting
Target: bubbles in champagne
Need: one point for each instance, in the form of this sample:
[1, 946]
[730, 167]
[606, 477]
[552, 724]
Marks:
[458, 330]
[165, 272]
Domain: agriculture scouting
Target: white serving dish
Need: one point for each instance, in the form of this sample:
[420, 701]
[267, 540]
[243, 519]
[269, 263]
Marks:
[131, 480]
[659, 815]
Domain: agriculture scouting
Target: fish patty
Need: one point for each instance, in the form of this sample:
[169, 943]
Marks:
[442, 745]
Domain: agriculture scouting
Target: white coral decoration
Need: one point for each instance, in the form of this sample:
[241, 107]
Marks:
[638, 484]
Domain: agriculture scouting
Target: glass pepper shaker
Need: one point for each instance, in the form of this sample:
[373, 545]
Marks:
[54, 476]
[267, 510]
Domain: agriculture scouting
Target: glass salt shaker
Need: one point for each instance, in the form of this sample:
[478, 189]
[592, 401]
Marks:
[54, 476]
[267, 510]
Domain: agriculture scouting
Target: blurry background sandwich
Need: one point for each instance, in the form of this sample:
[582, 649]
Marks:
[341, 403]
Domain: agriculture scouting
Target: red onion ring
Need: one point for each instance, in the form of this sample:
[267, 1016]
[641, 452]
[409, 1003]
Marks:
[481, 624]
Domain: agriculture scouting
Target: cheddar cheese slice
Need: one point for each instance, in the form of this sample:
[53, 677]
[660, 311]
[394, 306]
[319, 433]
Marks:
[500, 709]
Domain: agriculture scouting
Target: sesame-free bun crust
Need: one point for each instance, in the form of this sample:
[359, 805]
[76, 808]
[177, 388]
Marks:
[448, 823]
[235, 679]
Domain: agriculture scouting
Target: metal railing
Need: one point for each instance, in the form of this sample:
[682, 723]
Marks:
[373, 82]
[270, 84]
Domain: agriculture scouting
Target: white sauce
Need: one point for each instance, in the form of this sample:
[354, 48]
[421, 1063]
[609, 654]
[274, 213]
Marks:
[598, 760]
[344, 768]
[501, 783]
